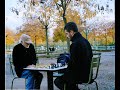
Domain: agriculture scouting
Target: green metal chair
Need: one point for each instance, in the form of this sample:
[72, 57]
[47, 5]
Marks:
[13, 72]
[11, 66]
[93, 71]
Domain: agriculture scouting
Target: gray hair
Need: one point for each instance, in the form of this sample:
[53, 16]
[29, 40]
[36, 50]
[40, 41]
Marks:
[24, 38]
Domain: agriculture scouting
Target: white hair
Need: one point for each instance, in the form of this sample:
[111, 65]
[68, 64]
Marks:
[23, 37]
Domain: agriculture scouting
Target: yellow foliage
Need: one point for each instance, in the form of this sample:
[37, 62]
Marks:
[9, 36]
[59, 33]
[73, 15]
[83, 34]
[101, 37]
[89, 13]
[56, 1]
[35, 31]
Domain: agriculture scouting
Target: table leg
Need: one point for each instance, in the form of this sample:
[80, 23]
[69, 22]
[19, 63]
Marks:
[50, 80]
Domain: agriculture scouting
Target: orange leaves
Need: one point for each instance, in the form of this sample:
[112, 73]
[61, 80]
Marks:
[9, 37]
[36, 32]
[103, 38]
[73, 15]
[89, 13]
[56, 1]
[100, 38]
[59, 33]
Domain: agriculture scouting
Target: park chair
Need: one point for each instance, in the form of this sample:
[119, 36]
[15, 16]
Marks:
[93, 71]
[10, 62]
[13, 72]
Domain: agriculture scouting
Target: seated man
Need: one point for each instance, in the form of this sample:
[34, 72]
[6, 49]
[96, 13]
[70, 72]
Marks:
[80, 58]
[24, 56]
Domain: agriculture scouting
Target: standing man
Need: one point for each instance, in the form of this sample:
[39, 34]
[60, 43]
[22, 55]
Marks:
[24, 56]
[80, 59]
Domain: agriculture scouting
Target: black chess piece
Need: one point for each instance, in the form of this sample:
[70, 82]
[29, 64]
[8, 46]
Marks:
[56, 65]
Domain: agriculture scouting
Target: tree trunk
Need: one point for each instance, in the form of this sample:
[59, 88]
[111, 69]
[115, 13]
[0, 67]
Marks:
[106, 41]
[68, 41]
[94, 39]
[113, 39]
[35, 41]
[106, 38]
[86, 33]
[46, 28]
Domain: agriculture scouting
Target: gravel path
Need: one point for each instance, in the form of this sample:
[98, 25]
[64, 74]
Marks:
[105, 79]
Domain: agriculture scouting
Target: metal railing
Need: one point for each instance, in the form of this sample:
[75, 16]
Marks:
[103, 47]
[42, 49]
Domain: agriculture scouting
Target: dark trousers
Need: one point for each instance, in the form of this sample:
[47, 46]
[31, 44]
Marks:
[34, 79]
[61, 84]
[38, 79]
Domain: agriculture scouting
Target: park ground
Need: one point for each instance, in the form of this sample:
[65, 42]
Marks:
[105, 79]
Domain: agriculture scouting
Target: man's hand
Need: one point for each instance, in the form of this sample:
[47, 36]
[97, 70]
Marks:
[30, 66]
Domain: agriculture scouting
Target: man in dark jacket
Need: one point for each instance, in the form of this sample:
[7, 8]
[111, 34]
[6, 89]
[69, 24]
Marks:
[80, 58]
[24, 56]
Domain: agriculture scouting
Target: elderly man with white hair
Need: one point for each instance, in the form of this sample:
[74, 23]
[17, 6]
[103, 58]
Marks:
[24, 56]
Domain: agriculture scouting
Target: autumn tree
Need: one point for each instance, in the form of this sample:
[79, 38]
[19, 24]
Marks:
[9, 37]
[35, 31]
[105, 34]
[59, 33]
[64, 7]
[105, 28]
[88, 10]
[35, 10]
[111, 34]
[46, 19]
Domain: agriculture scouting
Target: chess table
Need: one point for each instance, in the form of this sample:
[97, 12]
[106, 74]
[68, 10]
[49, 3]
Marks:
[49, 71]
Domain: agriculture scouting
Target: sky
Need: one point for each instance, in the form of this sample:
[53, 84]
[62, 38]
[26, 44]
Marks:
[13, 21]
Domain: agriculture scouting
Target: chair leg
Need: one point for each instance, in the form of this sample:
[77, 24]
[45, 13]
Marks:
[25, 83]
[87, 87]
[11, 68]
[12, 82]
[64, 86]
[12, 71]
[96, 85]
[77, 85]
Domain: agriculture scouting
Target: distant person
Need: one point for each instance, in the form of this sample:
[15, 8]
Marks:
[24, 56]
[80, 59]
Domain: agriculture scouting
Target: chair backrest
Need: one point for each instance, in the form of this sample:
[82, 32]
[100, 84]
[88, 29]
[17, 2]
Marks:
[94, 67]
[12, 66]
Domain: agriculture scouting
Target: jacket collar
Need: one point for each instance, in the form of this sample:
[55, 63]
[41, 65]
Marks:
[76, 36]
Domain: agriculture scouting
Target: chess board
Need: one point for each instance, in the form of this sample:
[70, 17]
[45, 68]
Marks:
[48, 67]
[42, 66]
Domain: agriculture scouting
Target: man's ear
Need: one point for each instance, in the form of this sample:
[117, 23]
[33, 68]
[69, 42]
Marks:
[72, 32]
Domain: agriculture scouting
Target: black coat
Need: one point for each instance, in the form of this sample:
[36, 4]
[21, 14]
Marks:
[22, 57]
[80, 59]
